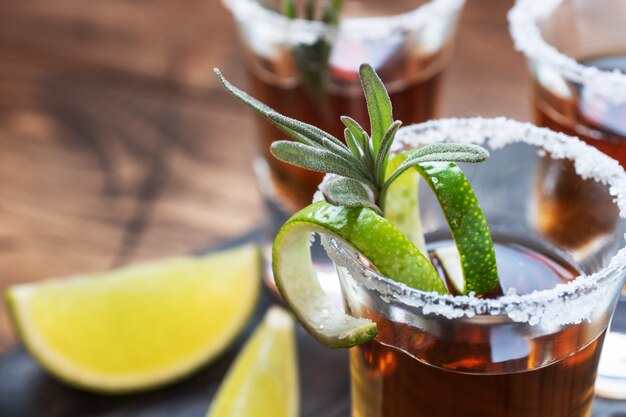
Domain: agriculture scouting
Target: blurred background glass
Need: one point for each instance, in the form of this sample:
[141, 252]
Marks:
[576, 53]
[309, 70]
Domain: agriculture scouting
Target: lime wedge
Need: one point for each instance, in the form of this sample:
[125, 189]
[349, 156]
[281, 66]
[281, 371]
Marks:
[373, 236]
[263, 380]
[140, 326]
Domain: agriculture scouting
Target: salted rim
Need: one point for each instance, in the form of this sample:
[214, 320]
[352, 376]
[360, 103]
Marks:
[497, 133]
[366, 26]
[523, 19]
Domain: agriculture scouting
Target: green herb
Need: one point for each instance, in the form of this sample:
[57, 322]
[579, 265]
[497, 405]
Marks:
[312, 58]
[329, 11]
[289, 9]
[363, 162]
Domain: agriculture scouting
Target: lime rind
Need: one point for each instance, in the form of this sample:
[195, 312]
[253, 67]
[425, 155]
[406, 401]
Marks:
[66, 369]
[373, 236]
[304, 296]
[476, 270]
[467, 224]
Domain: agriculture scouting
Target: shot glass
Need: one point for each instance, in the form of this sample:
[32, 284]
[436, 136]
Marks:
[308, 70]
[576, 53]
[532, 351]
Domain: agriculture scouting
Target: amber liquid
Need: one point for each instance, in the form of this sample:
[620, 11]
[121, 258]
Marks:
[413, 93]
[482, 372]
[564, 198]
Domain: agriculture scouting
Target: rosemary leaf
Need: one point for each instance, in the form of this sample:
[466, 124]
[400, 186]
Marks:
[378, 104]
[383, 153]
[267, 111]
[331, 13]
[315, 159]
[353, 144]
[256, 105]
[289, 9]
[348, 193]
[310, 132]
[361, 136]
[451, 152]
[473, 153]
[320, 139]
[368, 159]
[354, 127]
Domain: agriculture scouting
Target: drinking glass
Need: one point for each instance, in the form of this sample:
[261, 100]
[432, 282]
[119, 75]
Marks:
[534, 350]
[308, 70]
[576, 53]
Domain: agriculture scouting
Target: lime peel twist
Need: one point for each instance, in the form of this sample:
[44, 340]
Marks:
[370, 234]
[359, 199]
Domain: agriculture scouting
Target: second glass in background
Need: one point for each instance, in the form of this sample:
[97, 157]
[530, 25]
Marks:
[576, 51]
[308, 70]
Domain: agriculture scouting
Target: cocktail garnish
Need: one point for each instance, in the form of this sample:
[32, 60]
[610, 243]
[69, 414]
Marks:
[373, 236]
[355, 202]
[313, 56]
[365, 158]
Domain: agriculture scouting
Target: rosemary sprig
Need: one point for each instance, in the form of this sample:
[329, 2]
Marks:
[329, 13]
[362, 163]
[312, 58]
[288, 9]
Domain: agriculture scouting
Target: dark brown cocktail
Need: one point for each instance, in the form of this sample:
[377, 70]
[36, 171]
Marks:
[482, 370]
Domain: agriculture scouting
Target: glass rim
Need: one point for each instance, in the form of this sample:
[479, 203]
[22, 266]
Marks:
[533, 307]
[369, 26]
[523, 26]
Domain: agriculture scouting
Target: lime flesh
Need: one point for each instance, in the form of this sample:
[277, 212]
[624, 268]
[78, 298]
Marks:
[263, 381]
[139, 326]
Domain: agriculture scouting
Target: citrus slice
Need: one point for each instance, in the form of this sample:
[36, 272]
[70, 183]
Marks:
[139, 326]
[263, 381]
[370, 234]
